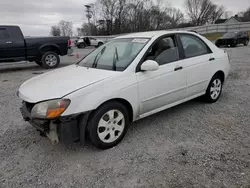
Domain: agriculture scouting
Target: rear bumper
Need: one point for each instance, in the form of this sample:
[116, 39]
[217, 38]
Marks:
[67, 129]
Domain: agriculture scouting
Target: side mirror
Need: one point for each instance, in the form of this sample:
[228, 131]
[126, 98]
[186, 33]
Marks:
[149, 65]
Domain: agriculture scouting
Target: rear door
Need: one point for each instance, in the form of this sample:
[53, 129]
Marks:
[198, 58]
[93, 41]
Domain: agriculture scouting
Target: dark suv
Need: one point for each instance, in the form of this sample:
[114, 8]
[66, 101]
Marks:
[233, 39]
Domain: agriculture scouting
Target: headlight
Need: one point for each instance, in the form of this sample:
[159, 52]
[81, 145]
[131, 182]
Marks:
[50, 109]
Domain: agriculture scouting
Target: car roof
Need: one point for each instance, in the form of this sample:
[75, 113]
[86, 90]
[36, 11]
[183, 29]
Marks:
[151, 34]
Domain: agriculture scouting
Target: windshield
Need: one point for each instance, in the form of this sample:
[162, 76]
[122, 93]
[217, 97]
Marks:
[231, 34]
[115, 55]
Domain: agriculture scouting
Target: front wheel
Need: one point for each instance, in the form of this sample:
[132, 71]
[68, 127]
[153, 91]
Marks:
[50, 60]
[214, 89]
[234, 43]
[108, 125]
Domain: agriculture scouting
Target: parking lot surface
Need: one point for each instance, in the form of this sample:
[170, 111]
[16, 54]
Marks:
[192, 145]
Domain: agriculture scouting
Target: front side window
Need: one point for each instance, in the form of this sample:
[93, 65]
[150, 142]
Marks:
[164, 51]
[4, 34]
[193, 46]
[115, 55]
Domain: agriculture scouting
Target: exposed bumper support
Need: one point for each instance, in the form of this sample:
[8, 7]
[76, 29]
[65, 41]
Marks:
[52, 134]
[64, 129]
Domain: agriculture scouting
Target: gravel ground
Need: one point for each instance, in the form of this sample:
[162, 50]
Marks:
[191, 145]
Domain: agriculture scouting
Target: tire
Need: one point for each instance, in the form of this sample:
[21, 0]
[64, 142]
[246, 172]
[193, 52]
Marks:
[50, 60]
[234, 44]
[215, 84]
[100, 44]
[81, 45]
[246, 42]
[105, 131]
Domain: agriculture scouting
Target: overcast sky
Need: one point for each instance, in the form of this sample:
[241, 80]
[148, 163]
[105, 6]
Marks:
[35, 17]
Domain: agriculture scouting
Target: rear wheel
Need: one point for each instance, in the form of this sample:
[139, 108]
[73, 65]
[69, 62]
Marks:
[82, 45]
[50, 60]
[246, 42]
[108, 125]
[214, 89]
[100, 44]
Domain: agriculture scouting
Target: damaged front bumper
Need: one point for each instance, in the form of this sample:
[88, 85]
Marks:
[63, 129]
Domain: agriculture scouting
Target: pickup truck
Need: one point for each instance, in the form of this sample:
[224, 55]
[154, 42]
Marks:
[45, 51]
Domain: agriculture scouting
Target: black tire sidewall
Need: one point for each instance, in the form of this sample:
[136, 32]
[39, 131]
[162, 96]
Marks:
[95, 118]
[82, 45]
[246, 42]
[207, 96]
[44, 62]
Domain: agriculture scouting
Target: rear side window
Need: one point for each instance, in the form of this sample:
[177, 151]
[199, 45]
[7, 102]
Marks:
[193, 46]
[4, 34]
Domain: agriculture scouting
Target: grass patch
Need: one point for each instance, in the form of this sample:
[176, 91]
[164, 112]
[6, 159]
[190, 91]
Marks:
[212, 36]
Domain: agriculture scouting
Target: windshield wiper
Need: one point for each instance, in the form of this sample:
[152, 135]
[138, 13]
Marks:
[97, 58]
[115, 59]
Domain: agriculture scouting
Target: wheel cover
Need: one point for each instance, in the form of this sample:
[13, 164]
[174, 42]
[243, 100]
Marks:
[215, 89]
[111, 126]
[51, 60]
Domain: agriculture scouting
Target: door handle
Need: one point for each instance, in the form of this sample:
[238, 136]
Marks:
[178, 68]
[9, 42]
[212, 59]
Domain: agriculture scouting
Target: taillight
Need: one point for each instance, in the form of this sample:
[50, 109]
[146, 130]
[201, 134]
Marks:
[69, 43]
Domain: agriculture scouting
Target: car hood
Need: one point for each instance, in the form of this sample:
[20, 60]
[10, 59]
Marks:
[61, 82]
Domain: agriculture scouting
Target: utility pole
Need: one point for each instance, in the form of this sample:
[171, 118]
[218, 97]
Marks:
[89, 16]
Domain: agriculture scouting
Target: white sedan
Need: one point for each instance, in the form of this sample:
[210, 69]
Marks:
[128, 78]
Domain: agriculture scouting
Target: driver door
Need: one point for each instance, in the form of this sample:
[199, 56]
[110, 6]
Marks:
[166, 86]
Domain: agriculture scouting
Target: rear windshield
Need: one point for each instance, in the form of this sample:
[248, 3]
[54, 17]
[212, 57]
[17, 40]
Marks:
[230, 34]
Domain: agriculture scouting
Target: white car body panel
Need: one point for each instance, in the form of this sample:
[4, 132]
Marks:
[147, 92]
[61, 82]
[163, 90]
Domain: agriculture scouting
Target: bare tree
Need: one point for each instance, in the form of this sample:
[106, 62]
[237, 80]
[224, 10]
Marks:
[55, 31]
[175, 15]
[124, 16]
[246, 15]
[108, 11]
[66, 28]
[217, 13]
[203, 11]
[227, 14]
